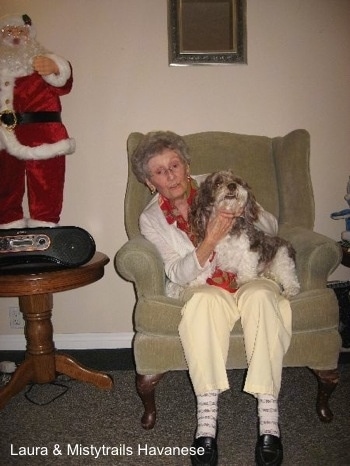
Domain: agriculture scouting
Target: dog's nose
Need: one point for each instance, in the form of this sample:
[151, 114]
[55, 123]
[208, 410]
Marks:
[231, 186]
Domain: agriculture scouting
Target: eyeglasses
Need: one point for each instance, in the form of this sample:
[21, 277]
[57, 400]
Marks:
[174, 168]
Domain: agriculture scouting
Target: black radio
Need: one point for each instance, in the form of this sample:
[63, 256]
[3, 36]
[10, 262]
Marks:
[66, 246]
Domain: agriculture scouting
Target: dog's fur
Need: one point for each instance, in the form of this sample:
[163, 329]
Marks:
[245, 251]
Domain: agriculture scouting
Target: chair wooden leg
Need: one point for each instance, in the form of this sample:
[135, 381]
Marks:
[145, 385]
[327, 383]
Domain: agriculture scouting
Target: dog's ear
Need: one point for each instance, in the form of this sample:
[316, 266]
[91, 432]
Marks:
[251, 211]
[201, 209]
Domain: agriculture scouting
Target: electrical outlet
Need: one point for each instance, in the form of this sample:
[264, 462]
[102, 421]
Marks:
[16, 317]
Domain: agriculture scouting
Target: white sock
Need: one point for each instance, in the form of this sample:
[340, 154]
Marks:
[207, 413]
[268, 415]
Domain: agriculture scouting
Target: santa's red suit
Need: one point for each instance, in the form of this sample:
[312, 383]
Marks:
[33, 145]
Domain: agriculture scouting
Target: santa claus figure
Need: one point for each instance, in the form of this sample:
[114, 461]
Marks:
[33, 140]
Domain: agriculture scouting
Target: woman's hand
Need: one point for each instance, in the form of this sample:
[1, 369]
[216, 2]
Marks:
[217, 228]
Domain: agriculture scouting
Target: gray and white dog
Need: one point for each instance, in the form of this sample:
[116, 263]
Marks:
[246, 251]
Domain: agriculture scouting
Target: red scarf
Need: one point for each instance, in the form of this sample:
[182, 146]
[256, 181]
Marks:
[225, 280]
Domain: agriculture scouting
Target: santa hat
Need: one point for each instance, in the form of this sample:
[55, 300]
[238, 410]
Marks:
[18, 20]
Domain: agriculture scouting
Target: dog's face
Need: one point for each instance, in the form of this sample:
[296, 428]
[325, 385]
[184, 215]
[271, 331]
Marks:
[222, 190]
[229, 192]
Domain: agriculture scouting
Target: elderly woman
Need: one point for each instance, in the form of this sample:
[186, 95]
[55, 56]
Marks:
[162, 162]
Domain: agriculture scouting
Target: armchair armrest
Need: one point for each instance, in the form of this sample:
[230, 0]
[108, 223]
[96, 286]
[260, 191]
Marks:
[317, 256]
[138, 261]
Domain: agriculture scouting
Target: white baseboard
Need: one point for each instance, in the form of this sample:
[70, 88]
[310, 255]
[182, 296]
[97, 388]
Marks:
[73, 341]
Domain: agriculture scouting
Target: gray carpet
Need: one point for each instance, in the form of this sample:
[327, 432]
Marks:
[86, 417]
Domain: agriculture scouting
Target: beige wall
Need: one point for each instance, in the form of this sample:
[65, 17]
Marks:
[297, 77]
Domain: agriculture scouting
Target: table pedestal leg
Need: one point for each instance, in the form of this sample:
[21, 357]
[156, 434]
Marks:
[37, 312]
[69, 366]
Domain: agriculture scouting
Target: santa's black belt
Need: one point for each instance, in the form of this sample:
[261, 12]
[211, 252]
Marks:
[10, 119]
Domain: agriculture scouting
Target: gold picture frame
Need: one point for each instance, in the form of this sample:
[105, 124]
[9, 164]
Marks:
[207, 32]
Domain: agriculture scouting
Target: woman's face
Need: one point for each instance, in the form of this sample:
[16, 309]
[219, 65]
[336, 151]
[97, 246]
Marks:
[168, 175]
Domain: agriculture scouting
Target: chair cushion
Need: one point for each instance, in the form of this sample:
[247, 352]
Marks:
[312, 310]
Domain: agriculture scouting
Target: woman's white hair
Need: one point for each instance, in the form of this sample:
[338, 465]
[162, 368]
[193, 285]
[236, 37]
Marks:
[152, 144]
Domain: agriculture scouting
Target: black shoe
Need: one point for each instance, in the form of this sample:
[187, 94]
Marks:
[268, 451]
[206, 452]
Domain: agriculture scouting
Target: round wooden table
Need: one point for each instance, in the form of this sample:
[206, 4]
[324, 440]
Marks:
[35, 293]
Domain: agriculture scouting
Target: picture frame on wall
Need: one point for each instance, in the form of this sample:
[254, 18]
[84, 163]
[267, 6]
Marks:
[207, 32]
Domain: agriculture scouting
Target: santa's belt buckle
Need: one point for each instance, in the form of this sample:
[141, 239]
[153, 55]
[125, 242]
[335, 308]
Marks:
[8, 119]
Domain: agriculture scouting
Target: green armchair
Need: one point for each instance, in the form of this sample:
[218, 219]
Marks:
[278, 171]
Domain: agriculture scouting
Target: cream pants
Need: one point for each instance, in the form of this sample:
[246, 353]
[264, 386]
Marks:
[208, 317]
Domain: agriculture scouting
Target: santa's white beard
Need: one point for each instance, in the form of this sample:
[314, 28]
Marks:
[16, 59]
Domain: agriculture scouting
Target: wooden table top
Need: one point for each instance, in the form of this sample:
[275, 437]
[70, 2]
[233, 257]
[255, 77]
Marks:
[52, 281]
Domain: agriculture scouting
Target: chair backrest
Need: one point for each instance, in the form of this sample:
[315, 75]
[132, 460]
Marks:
[277, 169]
